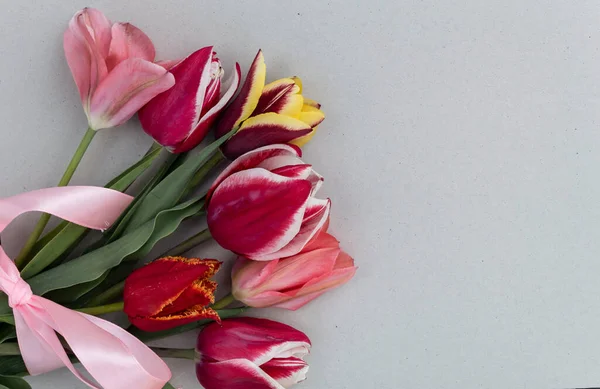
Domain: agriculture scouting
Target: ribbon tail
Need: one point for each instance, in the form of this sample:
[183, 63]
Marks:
[114, 357]
[40, 347]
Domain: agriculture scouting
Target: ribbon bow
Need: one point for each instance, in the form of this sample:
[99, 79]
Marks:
[115, 358]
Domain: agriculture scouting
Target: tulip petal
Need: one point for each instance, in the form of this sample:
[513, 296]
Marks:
[253, 159]
[257, 340]
[161, 323]
[311, 116]
[282, 97]
[343, 272]
[248, 274]
[317, 213]
[286, 371]
[85, 53]
[152, 287]
[234, 374]
[208, 119]
[129, 86]
[168, 64]
[201, 292]
[294, 171]
[264, 129]
[164, 117]
[237, 209]
[128, 41]
[245, 103]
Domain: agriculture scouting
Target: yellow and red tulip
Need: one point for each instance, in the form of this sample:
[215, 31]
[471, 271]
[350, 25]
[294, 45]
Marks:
[263, 206]
[268, 114]
[294, 281]
[113, 67]
[170, 292]
[251, 353]
[180, 118]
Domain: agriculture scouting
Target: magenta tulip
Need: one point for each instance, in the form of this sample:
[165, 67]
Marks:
[180, 118]
[294, 281]
[113, 67]
[263, 206]
[251, 353]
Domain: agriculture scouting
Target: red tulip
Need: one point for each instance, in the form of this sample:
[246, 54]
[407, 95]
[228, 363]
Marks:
[170, 292]
[293, 281]
[251, 353]
[268, 114]
[113, 67]
[181, 117]
[263, 205]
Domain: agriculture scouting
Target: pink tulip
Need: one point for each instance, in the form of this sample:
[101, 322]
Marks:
[251, 353]
[180, 118]
[293, 281]
[112, 65]
[263, 205]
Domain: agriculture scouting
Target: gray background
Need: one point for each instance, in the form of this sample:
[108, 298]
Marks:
[461, 150]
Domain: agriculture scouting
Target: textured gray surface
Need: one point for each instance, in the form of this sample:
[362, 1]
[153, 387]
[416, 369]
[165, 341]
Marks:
[461, 151]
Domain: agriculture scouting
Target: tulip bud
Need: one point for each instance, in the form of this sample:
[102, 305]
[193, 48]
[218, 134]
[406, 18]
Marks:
[293, 281]
[251, 353]
[170, 292]
[113, 67]
[263, 205]
[180, 118]
[268, 114]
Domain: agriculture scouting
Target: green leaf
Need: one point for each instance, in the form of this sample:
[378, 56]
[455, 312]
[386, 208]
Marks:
[69, 295]
[13, 382]
[7, 332]
[67, 235]
[11, 348]
[168, 386]
[12, 365]
[170, 190]
[118, 227]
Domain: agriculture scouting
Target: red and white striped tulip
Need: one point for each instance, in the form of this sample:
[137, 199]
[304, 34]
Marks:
[113, 67]
[263, 206]
[180, 118]
[294, 281]
[251, 353]
[268, 114]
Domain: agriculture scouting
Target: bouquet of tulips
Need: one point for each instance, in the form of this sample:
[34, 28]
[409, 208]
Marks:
[263, 206]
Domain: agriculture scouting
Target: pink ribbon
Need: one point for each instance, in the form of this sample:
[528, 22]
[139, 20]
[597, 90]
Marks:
[115, 358]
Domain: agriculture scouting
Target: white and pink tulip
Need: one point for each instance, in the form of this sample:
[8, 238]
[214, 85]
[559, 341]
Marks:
[263, 206]
[251, 353]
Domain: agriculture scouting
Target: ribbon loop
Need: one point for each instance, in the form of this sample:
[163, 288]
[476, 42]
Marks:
[115, 358]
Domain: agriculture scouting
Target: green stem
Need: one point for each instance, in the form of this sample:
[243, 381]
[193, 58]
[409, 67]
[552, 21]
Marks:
[188, 244]
[109, 294]
[102, 309]
[22, 258]
[175, 352]
[213, 162]
[224, 302]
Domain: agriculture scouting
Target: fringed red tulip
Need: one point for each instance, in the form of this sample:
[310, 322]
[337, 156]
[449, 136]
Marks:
[263, 206]
[170, 292]
[268, 114]
[180, 118]
[251, 353]
[293, 281]
[113, 67]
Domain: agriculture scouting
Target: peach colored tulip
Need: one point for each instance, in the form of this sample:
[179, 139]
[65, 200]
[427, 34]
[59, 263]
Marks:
[113, 67]
[293, 281]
